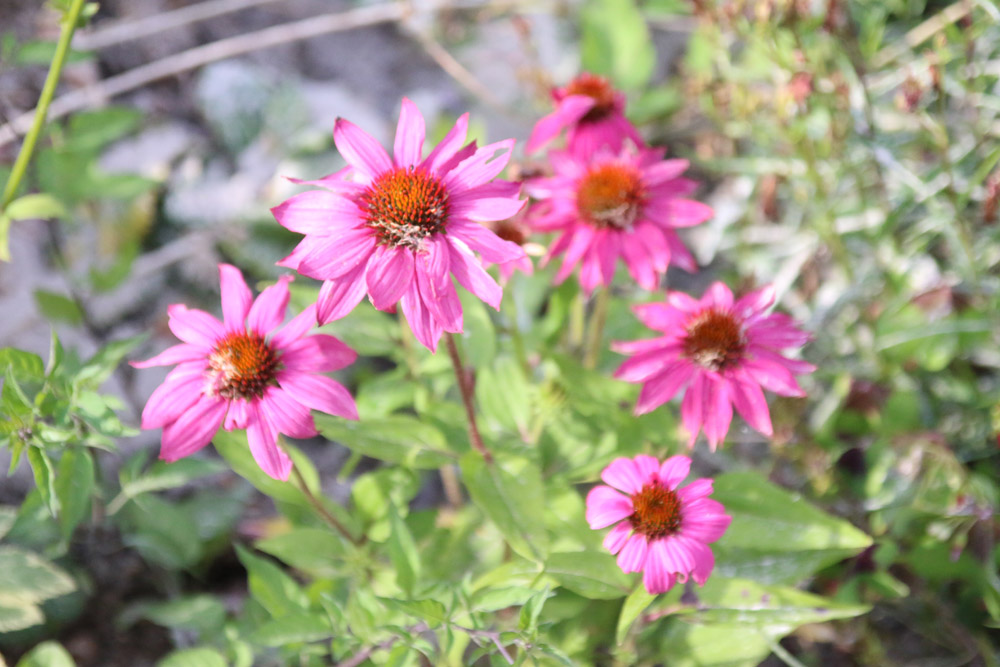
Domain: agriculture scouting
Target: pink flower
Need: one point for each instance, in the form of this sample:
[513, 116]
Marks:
[400, 228]
[594, 113]
[245, 372]
[661, 529]
[724, 352]
[610, 205]
[516, 230]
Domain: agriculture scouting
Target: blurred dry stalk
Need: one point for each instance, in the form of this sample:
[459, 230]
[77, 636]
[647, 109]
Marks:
[285, 33]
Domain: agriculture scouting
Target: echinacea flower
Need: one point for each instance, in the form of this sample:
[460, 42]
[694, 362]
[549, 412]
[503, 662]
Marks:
[661, 529]
[624, 204]
[592, 111]
[516, 230]
[724, 351]
[399, 228]
[245, 372]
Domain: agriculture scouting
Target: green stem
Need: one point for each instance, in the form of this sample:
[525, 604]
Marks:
[69, 21]
[596, 332]
[576, 321]
[321, 509]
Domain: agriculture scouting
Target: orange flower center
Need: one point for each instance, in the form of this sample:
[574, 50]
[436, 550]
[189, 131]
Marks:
[610, 195]
[404, 206]
[714, 340]
[656, 511]
[597, 88]
[241, 366]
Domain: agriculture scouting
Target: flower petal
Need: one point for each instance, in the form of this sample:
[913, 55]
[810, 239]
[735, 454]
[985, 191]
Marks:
[318, 392]
[194, 326]
[236, 297]
[319, 353]
[360, 150]
[624, 475]
[426, 329]
[410, 132]
[751, 404]
[656, 577]
[262, 437]
[617, 536]
[633, 555]
[268, 311]
[295, 329]
[482, 166]
[175, 354]
[389, 275]
[181, 389]
[471, 275]
[286, 413]
[606, 506]
[664, 385]
[338, 297]
[434, 282]
[193, 429]
[569, 111]
[452, 142]
[485, 242]
[318, 212]
[674, 470]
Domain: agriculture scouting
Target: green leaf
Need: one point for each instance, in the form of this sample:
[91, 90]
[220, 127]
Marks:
[162, 475]
[58, 307]
[24, 364]
[532, 609]
[315, 551]
[38, 52]
[33, 207]
[776, 536]
[5, 237]
[634, 605]
[592, 574]
[277, 592]
[431, 611]
[47, 654]
[193, 612]
[8, 514]
[479, 338]
[293, 629]
[91, 130]
[45, 478]
[397, 439]
[27, 578]
[615, 41]
[194, 657]
[511, 494]
[100, 367]
[74, 486]
[495, 599]
[19, 616]
[403, 552]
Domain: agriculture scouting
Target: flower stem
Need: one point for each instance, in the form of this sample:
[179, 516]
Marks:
[69, 21]
[321, 510]
[596, 333]
[466, 389]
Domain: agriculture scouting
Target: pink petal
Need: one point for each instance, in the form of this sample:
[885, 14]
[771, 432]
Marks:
[656, 576]
[684, 302]
[699, 488]
[773, 377]
[645, 345]
[485, 242]
[295, 329]
[674, 470]
[338, 297]
[624, 475]
[718, 295]
[719, 409]
[426, 329]
[643, 366]
[268, 311]
[360, 150]
[480, 167]
[664, 385]
[194, 326]
[236, 297]
[485, 209]
[582, 237]
[329, 257]
[754, 302]
[633, 555]
[318, 392]
[409, 135]
[663, 171]
[318, 212]
[606, 506]
[751, 404]
[676, 213]
[655, 243]
[389, 275]
[705, 528]
[335, 182]
[638, 262]
[236, 416]
[319, 353]
[693, 407]
[661, 316]
[648, 466]
[286, 413]
[702, 559]
[434, 282]
[679, 254]
[193, 429]
[180, 390]
[470, 275]
[794, 365]
[570, 110]
[175, 355]
[617, 536]
[445, 151]
[262, 436]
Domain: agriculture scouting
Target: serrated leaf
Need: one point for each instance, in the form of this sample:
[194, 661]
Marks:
[315, 551]
[47, 654]
[594, 575]
[397, 439]
[511, 494]
[27, 578]
[431, 611]
[776, 536]
[634, 605]
[403, 552]
[293, 629]
[193, 657]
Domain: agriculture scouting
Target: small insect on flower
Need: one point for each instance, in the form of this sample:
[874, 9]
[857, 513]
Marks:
[593, 113]
[398, 229]
[725, 351]
[246, 372]
[660, 528]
